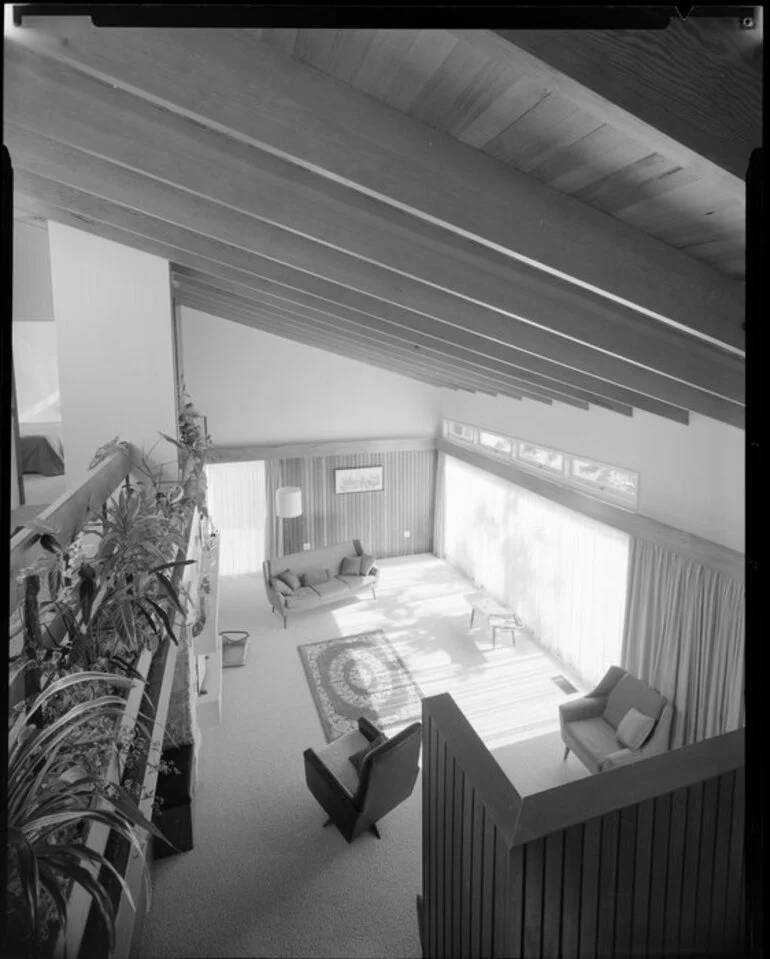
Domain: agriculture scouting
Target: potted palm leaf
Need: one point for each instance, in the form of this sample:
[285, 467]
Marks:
[52, 793]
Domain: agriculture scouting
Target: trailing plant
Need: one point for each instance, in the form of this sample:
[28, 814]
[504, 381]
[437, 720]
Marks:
[193, 443]
[51, 792]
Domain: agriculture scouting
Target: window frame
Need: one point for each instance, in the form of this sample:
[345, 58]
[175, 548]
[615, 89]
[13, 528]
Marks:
[541, 468]
[564, 476]
[491, 451]
[604, 492]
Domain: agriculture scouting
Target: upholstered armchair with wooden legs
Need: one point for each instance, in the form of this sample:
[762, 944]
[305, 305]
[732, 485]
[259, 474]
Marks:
[355, 801]
[621, 721]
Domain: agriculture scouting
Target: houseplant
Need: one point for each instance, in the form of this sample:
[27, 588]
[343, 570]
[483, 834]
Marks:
[90, 611]
[53, 790]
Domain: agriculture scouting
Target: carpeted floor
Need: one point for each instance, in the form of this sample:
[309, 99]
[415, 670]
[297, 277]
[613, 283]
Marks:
[264, 878]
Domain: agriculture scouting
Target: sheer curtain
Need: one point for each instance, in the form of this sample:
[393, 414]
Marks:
[236, 502]
[685, 636]
[563, 573]
[438, 512]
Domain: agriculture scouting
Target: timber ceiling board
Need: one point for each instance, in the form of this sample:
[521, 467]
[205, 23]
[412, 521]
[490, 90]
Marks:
[617, 119]
[330, 209]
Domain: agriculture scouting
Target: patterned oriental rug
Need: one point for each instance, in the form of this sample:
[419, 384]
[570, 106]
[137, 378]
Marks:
[356, 676]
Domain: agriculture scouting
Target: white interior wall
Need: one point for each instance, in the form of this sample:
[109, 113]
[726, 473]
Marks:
[32, 298]
[36, 367]
[116, 375]
[691, 477]
[258, 388]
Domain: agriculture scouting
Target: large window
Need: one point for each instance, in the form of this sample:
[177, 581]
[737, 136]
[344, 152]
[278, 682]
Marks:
[563, 573]
[236, 502]
[614, 484]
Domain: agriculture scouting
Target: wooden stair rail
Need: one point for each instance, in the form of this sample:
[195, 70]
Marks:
[645, 859]
[69, 513]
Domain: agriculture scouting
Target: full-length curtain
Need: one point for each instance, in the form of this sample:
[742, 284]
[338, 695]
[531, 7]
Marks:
[563, 573]
[438, 512]
[236, 502]
[684, 635]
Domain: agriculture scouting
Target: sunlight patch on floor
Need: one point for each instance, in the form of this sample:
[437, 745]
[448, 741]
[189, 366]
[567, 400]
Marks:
[506, 691]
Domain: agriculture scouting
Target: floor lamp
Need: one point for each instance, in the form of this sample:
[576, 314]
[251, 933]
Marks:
[288, 504]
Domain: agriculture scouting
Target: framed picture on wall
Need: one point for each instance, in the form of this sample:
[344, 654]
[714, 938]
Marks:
[359, 479]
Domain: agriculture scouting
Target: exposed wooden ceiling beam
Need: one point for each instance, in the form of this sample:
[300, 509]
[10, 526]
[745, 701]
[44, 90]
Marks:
[286, 205]
[287, 330]
[280, 322]
[476, 351]
[402, 344]
[237, 234]
[689, 89]
[121, 223]
[463, 345]
[259, 95]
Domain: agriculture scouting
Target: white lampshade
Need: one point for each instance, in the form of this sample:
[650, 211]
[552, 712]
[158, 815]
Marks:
[288, 502]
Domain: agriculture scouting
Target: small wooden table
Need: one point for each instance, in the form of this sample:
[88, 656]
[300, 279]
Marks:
[509, 621]
[484, 605]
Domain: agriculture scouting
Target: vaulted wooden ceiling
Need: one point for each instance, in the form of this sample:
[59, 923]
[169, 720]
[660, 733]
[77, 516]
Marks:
[459, 207]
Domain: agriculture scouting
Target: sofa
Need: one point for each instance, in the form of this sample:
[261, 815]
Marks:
[621, 721]
[302, 581]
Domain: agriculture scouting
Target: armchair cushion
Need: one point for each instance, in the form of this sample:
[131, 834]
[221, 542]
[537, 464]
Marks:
[315, 576]
[594, 736]
[367, 562]
[335, 757]
[628, 692]
[357, 759]
[634, 728]
[281, 587]
[291, 579]
[351, 566]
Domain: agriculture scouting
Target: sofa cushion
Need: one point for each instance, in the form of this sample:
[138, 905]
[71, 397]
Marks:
[302, 598]
[634, 728]
[315, 576]
[628, 692]
[351, 566]
[367, 562]
[280, 587]
[291, 579]
[332, 588]
[356, 582]
[595, 736]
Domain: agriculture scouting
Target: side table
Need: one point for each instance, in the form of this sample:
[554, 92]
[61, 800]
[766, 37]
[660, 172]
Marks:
[508, 621]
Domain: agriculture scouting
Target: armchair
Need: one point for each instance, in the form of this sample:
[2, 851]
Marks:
[589, 725]
[356, 802]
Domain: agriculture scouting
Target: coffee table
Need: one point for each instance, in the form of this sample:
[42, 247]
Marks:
[509, 621]
[497, 617]
[484, 605]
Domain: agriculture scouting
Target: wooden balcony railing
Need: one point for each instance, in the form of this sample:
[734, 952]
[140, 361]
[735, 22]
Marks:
[643, 860]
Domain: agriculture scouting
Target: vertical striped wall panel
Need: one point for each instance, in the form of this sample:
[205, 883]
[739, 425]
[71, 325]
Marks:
[377, 519]
[467, 839]
[659, 877]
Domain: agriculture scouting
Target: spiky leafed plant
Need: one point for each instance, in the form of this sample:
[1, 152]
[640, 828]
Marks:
[48, 795]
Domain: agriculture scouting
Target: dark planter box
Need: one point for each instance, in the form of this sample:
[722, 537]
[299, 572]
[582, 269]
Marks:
[175, 817]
